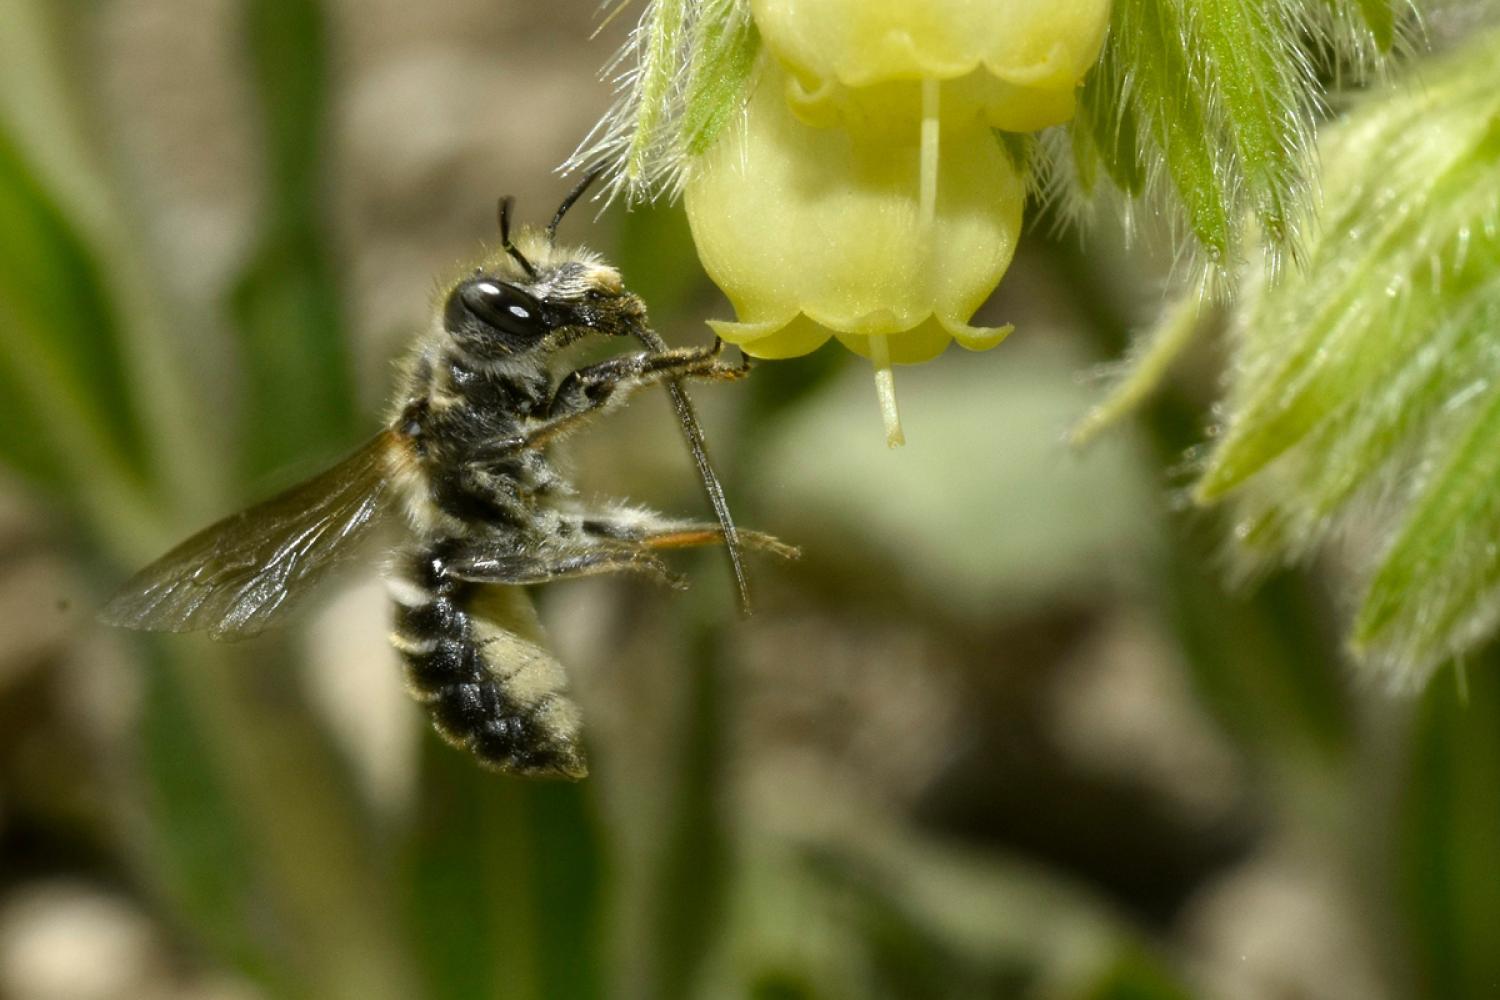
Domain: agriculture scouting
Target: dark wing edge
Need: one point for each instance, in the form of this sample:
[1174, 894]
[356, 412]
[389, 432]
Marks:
[239, 575]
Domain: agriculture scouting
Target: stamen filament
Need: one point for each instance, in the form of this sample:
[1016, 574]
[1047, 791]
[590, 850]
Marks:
[928, 163]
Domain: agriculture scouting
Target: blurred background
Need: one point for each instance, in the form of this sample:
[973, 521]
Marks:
[1001, 732]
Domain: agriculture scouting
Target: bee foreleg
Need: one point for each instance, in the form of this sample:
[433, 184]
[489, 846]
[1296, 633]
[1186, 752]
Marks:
[590, 390]
[611, 380]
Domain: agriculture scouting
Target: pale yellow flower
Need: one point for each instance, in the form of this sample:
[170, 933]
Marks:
[818, 232]
[801, 224]
[863, 195]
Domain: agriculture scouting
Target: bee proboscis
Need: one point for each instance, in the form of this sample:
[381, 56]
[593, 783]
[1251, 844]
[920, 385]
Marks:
[463, 456]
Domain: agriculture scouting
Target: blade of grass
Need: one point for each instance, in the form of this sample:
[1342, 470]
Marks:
[1450, 825]
[23, 447]
[329, 890]
[196, 839]
[298, 837]
[44, 76]
[503, 884]
[57, 313]
[694, 861]
[452, 892]
[61, 351]
[286, 305]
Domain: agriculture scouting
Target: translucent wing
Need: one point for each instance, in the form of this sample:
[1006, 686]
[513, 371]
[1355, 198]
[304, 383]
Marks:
[239, 575]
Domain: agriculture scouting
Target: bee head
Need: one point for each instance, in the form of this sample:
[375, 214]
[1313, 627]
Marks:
[535, 297]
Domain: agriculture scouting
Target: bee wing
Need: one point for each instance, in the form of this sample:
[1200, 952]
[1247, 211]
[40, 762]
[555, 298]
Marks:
[239, 575]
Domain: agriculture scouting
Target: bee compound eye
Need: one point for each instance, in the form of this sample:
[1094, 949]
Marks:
[504, 307]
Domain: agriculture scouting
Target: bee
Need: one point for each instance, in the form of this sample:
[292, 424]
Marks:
[463, 459]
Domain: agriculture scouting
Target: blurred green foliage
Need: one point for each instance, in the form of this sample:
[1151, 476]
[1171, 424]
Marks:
[287, 304]
[1451, 823]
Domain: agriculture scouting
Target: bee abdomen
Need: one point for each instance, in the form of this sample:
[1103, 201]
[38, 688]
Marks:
[488, 690]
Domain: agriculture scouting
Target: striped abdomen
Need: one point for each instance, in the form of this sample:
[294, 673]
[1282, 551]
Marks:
[489, 690]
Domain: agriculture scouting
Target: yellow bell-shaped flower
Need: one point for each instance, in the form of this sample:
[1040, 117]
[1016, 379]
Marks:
[1015, 62]
[886, 238]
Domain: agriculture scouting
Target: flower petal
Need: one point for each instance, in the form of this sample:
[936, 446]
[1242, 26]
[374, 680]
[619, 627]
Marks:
[774, 339]
[976, 338]
[1041, 44]
[791, 219]
[921, 343]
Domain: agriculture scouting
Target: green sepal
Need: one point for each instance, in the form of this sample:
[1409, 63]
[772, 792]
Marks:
[722, 63]
[1152, 41]
[1363, 392]
[1247, 54]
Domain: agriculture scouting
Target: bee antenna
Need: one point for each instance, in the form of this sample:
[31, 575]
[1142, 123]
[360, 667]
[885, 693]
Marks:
[578, 189]
[506, 204]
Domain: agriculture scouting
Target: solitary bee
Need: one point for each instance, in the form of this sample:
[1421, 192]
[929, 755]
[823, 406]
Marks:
[463, 456]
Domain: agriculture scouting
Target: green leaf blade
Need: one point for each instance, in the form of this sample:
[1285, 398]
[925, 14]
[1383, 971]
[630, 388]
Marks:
[1449, 824]
[198, 838]
[503, 884]
[61, 348]
[287, 305]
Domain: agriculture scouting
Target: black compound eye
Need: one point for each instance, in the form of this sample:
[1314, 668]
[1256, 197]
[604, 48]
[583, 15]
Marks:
[505, 307]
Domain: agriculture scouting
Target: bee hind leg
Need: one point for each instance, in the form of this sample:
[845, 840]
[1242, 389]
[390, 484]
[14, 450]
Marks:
[661, 534]
[476, 564]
